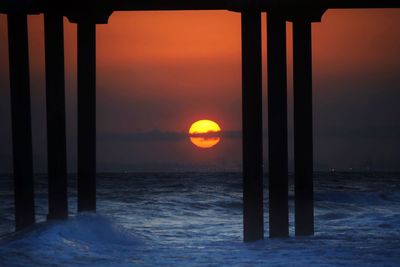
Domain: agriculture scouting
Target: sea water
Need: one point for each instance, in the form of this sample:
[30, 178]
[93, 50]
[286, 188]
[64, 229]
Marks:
[195, 219]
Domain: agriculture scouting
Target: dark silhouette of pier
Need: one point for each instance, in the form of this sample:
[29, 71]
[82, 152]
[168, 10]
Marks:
[87, 14]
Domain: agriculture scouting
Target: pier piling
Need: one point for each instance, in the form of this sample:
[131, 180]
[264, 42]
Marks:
[303, 127]
[253, 216]
[21, 120]
[86, 115]
[55, 103]
[277, 126]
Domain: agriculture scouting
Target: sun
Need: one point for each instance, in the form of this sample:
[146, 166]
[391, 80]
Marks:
[204, 133]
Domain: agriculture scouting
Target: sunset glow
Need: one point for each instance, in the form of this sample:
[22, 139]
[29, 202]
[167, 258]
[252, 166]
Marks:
[202, 133]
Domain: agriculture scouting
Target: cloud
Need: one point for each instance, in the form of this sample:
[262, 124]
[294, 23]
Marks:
[364, 132]
[157, 135]
[172, 136]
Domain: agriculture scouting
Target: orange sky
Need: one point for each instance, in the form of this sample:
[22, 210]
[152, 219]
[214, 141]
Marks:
[163, 70]
[194, 57]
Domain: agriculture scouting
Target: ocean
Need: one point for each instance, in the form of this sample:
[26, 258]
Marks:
[195, 219]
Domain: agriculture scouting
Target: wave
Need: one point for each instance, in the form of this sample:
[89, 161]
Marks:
[83, 238]
[362, 198]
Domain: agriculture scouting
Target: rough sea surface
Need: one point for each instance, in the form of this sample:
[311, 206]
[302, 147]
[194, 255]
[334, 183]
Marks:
[195, 219]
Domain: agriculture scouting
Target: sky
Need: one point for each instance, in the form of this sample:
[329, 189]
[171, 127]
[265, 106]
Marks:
[158, 72]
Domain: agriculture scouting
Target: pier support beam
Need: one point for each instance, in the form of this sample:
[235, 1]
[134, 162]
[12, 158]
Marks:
[21, 120]
[253, 217]
[277, 128]
[303, 127]
[55, 102]
[86, 115]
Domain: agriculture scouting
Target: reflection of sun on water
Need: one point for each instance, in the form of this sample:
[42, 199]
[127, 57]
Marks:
[204, 133]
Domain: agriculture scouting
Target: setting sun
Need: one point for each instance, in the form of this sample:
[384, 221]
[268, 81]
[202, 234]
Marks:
[204, 133]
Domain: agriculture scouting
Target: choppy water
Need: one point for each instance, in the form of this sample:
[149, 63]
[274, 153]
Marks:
[195, 219]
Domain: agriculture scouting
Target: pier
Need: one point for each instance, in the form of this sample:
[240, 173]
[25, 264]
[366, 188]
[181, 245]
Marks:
[302, 14]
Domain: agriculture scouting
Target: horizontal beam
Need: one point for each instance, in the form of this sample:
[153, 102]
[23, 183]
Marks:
[127, 5]
[109, 6]
[354, 4]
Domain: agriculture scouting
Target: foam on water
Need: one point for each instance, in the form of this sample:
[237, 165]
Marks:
[196, 219]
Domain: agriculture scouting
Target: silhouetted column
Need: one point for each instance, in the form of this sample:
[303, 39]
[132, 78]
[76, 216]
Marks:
[277, 129]
[253, 218]
[303, 128]
[21, 120]
[86, 115]
[55, 101]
